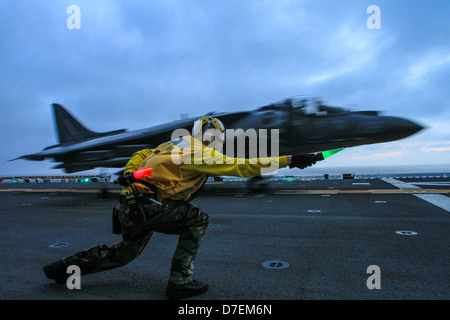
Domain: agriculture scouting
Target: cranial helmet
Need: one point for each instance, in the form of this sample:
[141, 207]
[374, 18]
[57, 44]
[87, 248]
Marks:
[208, 129]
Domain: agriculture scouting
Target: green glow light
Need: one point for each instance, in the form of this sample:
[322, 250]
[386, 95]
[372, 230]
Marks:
[328, 153]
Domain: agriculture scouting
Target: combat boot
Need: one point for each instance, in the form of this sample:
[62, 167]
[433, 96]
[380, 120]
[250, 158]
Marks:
[57, 271]
[190, 289]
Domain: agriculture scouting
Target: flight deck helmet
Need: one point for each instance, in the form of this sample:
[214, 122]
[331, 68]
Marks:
[208, 129]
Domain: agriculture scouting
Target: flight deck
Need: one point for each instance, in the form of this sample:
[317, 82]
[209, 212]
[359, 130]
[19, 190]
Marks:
[320, 239]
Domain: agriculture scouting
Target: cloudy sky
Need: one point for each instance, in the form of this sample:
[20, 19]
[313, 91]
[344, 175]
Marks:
[136, 63]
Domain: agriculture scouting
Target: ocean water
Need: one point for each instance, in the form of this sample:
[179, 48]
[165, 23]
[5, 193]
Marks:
[361, 172]
[414, 169]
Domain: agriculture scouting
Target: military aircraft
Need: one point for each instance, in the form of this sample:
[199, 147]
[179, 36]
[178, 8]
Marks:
[304, 125]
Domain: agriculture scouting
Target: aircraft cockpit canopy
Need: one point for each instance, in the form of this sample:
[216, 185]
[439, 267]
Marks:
[306, 106]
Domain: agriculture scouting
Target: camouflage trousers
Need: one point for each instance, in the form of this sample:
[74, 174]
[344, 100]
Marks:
[174, 217]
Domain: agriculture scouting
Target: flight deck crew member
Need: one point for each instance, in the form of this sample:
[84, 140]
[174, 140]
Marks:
[179, 169]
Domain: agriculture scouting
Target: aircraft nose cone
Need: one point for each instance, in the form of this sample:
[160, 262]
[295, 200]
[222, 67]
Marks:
[409, 127]
[403, 128]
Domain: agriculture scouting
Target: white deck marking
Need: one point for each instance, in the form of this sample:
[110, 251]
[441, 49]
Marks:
[438, 200]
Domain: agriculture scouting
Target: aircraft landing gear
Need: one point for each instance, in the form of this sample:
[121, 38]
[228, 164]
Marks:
[258, 184]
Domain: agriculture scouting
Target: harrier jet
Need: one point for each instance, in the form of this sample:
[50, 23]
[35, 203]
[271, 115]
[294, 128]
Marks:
[301, 125]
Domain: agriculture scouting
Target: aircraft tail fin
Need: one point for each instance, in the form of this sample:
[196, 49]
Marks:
[69, 129]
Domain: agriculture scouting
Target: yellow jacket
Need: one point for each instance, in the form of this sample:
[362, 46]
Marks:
[180, 167]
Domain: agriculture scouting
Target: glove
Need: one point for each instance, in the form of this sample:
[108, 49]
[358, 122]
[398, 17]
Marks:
[126, 179]
[302, 161]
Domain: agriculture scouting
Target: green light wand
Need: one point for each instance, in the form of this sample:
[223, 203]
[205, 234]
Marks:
[319, 156]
